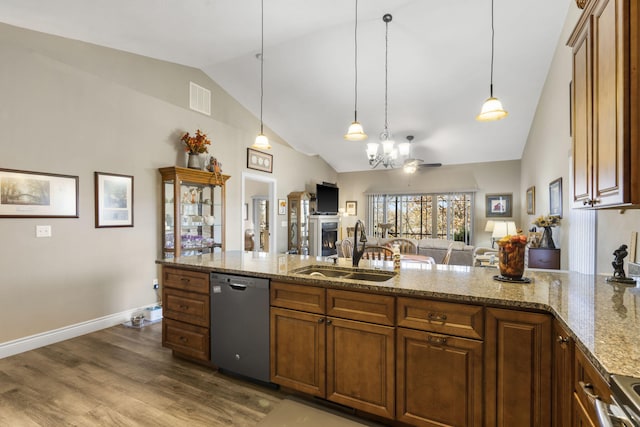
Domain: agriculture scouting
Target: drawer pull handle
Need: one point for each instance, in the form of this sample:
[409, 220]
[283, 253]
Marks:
[184, 307]
[563, 340]
[183, 339]
[185, 280]
[437, 317]
[587, 388]
[436, 340]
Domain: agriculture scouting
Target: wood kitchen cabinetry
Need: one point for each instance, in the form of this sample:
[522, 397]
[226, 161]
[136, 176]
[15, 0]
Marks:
[563, 354]
[193, 210]
[606, 105]
[517, 368]
[439, 363]
[588, 385]
[334, 344]
[185, 302]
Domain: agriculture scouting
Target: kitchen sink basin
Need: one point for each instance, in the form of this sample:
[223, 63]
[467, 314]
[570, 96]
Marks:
[345, 273]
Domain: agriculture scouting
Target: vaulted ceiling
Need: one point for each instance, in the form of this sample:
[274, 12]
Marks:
[438, 63]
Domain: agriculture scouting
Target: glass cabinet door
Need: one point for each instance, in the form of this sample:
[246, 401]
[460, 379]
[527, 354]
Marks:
[298, 222]
[193, 212]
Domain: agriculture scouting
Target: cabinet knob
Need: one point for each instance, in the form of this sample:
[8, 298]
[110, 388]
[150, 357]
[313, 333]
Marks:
[436, 340]
[562, 340]
[329, 321]
[439, 317]
[321, 320]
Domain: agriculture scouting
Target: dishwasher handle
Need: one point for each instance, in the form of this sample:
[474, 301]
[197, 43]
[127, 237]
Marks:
[237, 286]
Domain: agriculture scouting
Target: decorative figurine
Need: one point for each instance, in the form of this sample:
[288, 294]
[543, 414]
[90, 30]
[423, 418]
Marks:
[618, 267]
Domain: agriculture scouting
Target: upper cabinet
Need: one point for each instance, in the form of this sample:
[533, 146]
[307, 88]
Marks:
[192, 211]
[606, 105]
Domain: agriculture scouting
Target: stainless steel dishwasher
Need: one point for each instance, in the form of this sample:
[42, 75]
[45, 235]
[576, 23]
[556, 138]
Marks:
[240, 325]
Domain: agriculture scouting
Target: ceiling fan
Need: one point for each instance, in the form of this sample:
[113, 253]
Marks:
[411, 165]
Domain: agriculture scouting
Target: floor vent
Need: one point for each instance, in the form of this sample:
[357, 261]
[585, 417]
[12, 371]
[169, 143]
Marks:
[199, 99]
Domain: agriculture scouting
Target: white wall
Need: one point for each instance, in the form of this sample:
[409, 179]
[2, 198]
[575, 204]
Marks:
[74, 108]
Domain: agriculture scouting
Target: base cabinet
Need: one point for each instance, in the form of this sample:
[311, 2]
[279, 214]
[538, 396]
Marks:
[517, 368]
[562, 392]
[439, 379]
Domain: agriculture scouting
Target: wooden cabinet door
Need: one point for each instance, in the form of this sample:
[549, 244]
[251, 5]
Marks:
[298, 350]
[610, 114]
[439, 379]
[562, 391]
[582, 119]
[580, 416]
[360, 366]
[517, 368]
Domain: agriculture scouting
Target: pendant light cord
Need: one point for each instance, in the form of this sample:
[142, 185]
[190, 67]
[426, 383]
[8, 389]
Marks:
[261, 63]
[492, 42]
[355, 38]
[386, 73]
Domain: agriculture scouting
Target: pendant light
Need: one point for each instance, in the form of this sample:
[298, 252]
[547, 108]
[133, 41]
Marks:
[262, 142]
[492, 107]
[389, 150]
[356, 132]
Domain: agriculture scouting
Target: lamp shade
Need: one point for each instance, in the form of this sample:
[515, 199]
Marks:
[503, 228]
[261, 142]
[372, 150]
[489, 226]
[491, 110]
[355, 132]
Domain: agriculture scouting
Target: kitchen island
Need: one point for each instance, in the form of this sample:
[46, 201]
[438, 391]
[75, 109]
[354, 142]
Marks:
[602, 318]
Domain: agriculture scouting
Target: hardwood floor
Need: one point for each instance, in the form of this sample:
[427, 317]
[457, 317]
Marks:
[123, 377]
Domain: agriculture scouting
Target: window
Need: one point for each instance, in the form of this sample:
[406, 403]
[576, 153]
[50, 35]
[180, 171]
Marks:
[440, 216]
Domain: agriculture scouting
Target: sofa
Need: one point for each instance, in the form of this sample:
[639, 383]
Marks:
[461, 254]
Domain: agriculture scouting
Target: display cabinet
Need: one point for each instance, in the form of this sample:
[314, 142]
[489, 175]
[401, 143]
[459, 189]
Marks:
[193, 209]
[298, 222]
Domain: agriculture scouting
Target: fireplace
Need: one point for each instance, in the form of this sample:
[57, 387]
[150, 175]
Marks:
[323, 235]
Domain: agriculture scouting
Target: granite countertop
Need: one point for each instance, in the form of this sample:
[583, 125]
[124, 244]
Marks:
[603, 318]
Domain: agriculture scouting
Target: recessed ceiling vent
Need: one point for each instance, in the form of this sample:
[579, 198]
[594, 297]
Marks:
[199, 99]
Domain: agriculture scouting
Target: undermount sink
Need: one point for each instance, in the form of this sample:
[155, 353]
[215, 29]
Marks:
[345, 273]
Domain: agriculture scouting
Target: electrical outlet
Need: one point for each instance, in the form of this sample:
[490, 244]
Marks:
[155, 284]
[43, 231]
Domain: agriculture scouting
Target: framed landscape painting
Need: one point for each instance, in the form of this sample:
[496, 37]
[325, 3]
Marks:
[114, 200]
[499, 205]
[531, 200]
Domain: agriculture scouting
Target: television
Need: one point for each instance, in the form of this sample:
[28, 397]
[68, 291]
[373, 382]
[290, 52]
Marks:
[326, 199]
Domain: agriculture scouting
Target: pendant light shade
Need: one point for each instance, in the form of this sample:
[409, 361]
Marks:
[492, 108]
[261, 142]
[355, 132]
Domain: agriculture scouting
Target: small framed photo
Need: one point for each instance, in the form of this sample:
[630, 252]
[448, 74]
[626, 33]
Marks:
[352, 208]
[282, 206]
[259, 161]
[114, 200]
[499, 205]
[25, 194]
[531, 200]
[555, 198]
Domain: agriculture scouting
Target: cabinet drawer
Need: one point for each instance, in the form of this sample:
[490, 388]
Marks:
[361, 306]
[298, 297]
[195, 281]
[443, 317]
[185, 306]
[544, 258]
[588, 383]
[186, 339]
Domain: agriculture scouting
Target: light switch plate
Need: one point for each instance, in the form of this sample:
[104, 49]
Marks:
[43, 231]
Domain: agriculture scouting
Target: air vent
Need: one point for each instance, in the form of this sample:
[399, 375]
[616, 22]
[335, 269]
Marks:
[199, 99]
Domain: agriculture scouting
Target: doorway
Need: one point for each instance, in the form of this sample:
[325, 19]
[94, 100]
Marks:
[258, 202]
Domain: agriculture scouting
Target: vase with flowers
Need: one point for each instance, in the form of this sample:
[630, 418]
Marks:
[546, 223]
[195, 145]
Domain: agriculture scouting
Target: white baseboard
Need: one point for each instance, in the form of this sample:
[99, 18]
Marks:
[31, 342]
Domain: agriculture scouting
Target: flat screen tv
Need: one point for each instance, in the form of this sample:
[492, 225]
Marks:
[326, 199]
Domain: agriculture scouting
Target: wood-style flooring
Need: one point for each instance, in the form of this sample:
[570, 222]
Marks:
[123, 377]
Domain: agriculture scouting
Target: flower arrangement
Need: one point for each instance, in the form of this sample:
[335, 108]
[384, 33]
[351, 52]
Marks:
[196, 144]
[547, 221]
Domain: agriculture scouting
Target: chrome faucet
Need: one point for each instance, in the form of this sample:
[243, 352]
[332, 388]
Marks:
[357, 253]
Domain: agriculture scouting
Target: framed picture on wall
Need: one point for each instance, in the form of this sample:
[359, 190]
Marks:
[25, 194]
[352, 208]
[259, 161]
[282, 206]
[114, 200]
[498, 205]
[531, 200]
[555, 198]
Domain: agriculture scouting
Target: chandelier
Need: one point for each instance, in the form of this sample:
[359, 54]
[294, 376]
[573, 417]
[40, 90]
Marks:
[389, 151]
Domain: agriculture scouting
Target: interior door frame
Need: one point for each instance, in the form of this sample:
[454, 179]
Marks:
[271, 182]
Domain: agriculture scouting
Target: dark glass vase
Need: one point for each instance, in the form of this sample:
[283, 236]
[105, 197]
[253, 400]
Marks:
[547, 239]
[194, 161]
